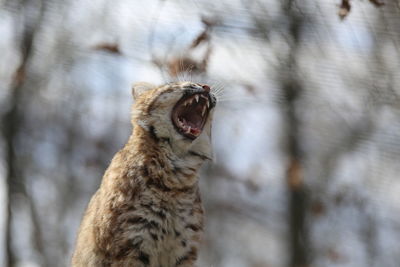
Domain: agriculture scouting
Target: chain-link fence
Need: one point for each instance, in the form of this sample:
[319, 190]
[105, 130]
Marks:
[306, 135]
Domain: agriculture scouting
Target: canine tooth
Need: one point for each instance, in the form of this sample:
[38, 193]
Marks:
[188, 129]
[208, 103]
[204, 111]
[197, 98]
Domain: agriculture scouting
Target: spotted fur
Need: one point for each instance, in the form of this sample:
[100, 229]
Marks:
[148, 209]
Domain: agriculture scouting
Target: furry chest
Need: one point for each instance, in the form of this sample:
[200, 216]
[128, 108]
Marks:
[178, 232]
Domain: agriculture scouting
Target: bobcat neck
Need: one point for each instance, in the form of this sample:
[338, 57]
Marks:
[159, 164]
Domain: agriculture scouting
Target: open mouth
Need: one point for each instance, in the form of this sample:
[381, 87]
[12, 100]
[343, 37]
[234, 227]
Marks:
[190, 114]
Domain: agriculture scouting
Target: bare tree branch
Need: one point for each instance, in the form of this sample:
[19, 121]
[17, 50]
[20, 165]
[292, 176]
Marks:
[292, 89]
[11, 124]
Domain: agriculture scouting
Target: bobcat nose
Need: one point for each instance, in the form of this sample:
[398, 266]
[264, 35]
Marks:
[206, 88]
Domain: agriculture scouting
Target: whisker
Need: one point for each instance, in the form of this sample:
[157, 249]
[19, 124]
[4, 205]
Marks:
[178, 74]
[182, 70]
[240, 105]
[241, 99]
[191, 72]
[217, 88]
[224, 94]
[237, 100]
[217, 93]
[218, 85]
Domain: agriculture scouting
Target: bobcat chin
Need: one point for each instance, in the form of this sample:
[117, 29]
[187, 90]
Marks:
[148, 211]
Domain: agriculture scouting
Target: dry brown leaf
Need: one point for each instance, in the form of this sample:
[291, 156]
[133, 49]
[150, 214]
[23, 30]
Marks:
[295, 174]
[345, 8]
[203, 37]
[317, 208]
[377, 3]
[111, 48]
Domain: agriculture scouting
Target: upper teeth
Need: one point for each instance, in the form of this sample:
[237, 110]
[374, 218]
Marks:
[189, 101]
[197, 98]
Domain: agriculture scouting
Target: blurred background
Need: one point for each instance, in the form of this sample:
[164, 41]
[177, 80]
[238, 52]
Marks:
[306, 133]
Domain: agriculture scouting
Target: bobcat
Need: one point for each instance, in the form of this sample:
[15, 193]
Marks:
[148, 210]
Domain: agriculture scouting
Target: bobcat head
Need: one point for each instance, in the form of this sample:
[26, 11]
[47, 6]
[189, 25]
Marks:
[179, 113]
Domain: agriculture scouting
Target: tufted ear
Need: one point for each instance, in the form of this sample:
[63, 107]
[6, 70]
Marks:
[139, 88]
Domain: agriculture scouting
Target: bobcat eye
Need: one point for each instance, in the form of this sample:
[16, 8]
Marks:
[190, 113]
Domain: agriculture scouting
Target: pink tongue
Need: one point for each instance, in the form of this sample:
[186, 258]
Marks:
[193, 128]
[194, 131]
